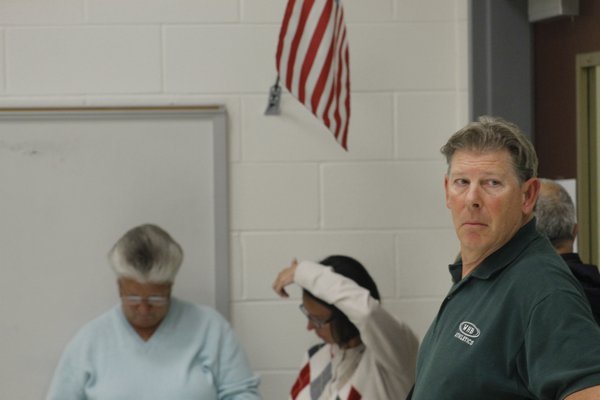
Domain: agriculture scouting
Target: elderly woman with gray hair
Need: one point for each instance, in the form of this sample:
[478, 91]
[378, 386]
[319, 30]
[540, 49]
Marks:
[152, 345]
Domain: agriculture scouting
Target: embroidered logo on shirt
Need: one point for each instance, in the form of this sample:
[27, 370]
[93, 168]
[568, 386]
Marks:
[467, 332]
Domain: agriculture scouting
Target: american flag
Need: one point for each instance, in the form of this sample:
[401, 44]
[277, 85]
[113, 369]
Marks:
[313, 61]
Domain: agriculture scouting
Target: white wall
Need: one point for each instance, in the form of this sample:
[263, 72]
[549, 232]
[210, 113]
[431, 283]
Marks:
[294, 191]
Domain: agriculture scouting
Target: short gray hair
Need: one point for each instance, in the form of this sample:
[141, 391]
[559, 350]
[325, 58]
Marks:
[555, 213]
[492, 134]
[146, 253]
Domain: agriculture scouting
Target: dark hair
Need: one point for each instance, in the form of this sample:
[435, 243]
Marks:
[341, 328]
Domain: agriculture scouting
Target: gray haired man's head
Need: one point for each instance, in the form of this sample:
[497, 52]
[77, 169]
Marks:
[555, 213]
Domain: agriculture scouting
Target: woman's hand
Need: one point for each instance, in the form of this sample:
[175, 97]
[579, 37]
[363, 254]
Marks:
[285, 278]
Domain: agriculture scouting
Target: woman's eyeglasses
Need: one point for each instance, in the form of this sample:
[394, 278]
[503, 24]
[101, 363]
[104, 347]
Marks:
[155, 301]
[318, 323]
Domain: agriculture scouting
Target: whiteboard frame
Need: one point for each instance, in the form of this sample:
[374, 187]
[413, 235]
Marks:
[217, 115]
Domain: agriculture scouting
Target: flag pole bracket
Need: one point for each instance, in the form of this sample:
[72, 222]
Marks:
[274, 99]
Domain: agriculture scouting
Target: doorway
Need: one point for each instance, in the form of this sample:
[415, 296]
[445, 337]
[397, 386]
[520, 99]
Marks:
[588, 148]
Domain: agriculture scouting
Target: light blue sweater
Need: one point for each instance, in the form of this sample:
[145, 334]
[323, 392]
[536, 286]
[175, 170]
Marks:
[194, 354]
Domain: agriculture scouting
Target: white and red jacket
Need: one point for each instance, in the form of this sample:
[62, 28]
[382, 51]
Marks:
[383, 368]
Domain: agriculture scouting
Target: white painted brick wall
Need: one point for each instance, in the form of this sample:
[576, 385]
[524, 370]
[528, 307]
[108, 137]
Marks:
[403, 56]
[384, 195]
[265, 254]
[242, 56]
[297, 136]
[427, 10]
[294, 191]
[162, 11]
[274, 196]
[2, 62]
[37, 12]
[424, 118]
[424, 253]
[82, 60]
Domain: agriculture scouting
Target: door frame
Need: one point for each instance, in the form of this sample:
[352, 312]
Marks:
[587, 75]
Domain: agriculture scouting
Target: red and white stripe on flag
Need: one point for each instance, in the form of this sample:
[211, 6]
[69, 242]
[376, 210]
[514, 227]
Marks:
[313, 61]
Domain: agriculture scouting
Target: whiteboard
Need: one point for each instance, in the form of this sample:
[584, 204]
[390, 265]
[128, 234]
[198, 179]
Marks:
[72, 181]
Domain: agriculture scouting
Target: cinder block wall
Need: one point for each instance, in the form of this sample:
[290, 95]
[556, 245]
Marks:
[294, 191]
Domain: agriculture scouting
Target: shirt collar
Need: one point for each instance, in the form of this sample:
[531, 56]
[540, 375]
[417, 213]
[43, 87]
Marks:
[502, 257]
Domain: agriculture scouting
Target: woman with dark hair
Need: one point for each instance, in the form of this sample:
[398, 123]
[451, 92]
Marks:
[366, 353]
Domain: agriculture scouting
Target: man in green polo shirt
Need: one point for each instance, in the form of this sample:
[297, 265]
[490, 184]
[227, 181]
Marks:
[515, 324]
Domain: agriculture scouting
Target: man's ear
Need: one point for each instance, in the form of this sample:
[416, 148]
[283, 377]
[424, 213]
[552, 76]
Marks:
[575, 230]
[531, 191]
[446, 189]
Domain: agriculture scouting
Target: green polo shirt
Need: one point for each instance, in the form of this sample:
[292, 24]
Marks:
[517, 327]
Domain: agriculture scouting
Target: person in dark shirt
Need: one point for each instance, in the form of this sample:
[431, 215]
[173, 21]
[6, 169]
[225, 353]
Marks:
[515, 323]
[555, 213]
